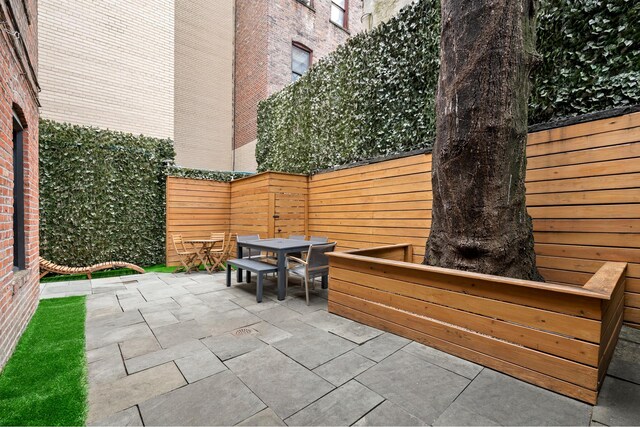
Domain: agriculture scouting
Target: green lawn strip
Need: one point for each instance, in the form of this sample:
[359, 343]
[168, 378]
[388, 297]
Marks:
[45, 381]
[160, 268]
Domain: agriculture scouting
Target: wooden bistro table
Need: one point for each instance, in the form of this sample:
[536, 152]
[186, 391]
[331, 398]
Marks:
[281, 247]
[206, 245]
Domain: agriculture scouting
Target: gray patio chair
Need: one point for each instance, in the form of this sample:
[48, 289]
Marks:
[315, 265]
[297, 236]
[248, 252]
[318, 239]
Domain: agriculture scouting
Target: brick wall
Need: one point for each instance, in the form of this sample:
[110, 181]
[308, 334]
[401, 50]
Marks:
[204, 33]
[18, 65]
[109, 63]
[250, 66]
[264, 34]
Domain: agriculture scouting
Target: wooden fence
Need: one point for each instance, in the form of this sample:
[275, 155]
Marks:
[583, 192]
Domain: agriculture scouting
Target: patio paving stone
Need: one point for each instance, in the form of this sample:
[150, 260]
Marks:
[109, 398]
[285, 386]
[269, 333]
[278, 314]
[343, 368]
[228, 346]
[216, 323]
[504, 400]
[100, 337]
[444, 360]
[221, 399]
[177, 333]
[138, 346]
[159, 318]
[266, 417]
[159, 305]
[105, 365]
[199, 365]
[128, 417]
[419, 387]
[343, 406]
[630, 334]
[195, 357]
[618, 403]
[381, 347]
[388, 414]
[146, 361]
[116, 320]
[314, 348]
[625, 363]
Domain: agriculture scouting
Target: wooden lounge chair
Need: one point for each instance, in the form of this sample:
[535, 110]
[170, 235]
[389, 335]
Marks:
[47, 267]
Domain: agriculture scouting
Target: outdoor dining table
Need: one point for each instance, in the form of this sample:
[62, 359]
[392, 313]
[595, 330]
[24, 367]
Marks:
[206, 245]
[281, 247]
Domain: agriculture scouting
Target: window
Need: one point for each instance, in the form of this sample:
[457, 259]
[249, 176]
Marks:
[18, 196]
[300, 60]
[339, 12]
[307, 3]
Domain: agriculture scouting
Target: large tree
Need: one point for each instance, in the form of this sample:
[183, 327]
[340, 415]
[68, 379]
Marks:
[479, 218]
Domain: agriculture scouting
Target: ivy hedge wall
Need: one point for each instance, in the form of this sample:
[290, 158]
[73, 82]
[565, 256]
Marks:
[375, 95]
[102, 195]
[223, 176]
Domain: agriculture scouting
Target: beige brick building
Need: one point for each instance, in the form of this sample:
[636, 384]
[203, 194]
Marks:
[108, 63]
[190, 70]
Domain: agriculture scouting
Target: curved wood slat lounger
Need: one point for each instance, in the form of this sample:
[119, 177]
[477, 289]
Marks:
[47, 267]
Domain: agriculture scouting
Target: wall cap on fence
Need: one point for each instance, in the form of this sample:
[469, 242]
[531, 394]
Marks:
[584, 118]
[600, 285]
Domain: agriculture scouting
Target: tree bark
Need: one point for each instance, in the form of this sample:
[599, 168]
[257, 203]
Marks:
[479, 217]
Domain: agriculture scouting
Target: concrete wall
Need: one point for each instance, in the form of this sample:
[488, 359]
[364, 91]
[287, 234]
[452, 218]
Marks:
[379, 11]
[204, 55]
[109, 63]
[19, 289]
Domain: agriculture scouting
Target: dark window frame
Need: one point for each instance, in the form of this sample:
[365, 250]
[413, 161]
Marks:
[345, 14]
[307, 49]
[19, 238]
[307, 3]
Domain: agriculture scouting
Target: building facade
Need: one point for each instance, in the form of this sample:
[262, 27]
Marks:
[190, 70]
[276, 41]
[19, 262]
[108, 63]
[375, 12]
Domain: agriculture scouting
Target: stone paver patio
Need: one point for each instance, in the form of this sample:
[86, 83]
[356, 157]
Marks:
[167, 349]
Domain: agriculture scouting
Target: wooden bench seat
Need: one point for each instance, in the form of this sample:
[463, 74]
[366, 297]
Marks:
[250, 265]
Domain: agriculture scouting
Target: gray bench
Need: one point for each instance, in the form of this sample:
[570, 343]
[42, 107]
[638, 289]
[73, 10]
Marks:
[258, 267]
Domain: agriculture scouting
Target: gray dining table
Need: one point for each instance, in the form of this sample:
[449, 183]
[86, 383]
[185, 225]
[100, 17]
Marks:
[281, 247]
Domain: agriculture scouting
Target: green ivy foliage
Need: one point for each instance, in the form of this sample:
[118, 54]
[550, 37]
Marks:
[590, 57]
[222, 176]
[372, 96]
[102, 195]
[375, 95]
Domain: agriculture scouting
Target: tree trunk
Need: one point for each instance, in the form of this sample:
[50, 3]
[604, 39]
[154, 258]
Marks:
[479, 218]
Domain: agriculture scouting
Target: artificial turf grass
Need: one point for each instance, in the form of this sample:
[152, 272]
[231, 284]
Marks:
[106, 273]
[45, 381]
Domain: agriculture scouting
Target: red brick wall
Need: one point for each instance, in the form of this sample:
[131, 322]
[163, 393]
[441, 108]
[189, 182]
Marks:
[265, 31]
[18, 65]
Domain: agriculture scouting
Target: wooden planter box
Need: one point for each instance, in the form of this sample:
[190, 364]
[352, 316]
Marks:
[559, 337]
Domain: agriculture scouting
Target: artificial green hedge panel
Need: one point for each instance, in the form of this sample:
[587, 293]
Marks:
[102, 195]
[222, 176]
[372, 96]
[590, 57]
[375, 95]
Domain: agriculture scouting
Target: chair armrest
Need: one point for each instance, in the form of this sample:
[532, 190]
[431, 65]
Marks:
[298, 260]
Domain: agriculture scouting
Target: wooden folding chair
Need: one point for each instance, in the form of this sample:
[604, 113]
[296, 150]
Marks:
[187, 256]
[218, 257]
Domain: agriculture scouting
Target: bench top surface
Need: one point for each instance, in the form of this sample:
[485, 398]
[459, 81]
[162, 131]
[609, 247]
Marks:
[249, 264]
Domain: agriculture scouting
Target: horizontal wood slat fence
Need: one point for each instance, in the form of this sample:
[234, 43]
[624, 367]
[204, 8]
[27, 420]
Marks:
[583, 192]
